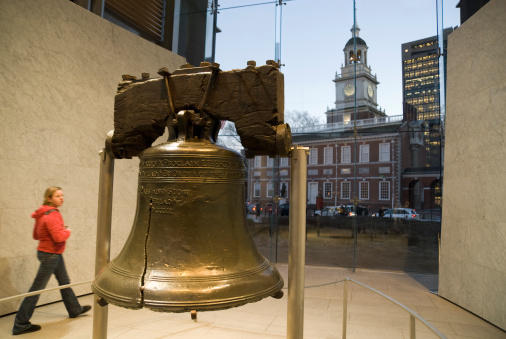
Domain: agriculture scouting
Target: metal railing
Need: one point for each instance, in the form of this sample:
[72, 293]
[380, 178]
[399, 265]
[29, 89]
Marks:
[28, 294]
[339, 126]
[412, 314]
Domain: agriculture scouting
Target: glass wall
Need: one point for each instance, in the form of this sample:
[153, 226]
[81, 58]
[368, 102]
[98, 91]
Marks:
[375, 132]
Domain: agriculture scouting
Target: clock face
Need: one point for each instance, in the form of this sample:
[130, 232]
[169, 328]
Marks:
[349, 89]
[370, 91]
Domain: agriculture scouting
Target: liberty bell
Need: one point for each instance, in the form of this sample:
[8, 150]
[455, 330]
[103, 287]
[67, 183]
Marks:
[189, 248]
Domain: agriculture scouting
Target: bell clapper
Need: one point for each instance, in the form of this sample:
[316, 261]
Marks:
[193, 314]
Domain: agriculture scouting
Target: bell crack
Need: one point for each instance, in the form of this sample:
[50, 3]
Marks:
[146, 238]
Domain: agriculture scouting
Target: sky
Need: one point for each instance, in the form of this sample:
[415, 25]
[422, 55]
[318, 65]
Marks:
[313, 35]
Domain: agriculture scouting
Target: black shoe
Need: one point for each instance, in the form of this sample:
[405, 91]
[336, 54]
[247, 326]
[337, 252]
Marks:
[32, 328]
[84, 309]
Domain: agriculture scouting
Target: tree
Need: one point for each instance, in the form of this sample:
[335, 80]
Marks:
[229, 138]
[298, 119]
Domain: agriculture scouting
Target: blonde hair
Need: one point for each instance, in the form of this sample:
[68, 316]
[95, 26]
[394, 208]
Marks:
[48, 194]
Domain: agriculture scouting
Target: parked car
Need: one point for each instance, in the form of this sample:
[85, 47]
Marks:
[330, 211]
[349, 210]
[401, 213]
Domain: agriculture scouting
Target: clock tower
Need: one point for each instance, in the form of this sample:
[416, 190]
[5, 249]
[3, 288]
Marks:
[346, 90]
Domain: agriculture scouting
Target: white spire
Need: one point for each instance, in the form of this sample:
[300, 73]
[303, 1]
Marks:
[357, 29]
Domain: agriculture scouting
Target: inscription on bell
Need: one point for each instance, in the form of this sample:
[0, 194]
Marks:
[193, 163]
[190, 173]
[169, 200]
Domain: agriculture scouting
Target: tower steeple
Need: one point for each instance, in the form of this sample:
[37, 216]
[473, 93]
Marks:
[363, 89]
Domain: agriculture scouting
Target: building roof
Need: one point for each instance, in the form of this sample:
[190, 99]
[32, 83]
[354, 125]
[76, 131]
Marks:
[360, 41]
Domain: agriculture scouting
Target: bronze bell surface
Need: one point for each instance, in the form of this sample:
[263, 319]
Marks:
[189, 248]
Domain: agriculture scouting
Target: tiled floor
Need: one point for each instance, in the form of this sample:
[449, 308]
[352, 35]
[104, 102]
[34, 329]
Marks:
[369, 315]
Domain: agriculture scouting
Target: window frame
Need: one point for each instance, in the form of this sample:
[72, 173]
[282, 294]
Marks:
[328, 155]
[255, 185]
[345, 183]
[270, 189]
[384, 155]
[360, 190]
[313, 156]
[380, 190]
[345, 154]
[362, 153]
[325, 184]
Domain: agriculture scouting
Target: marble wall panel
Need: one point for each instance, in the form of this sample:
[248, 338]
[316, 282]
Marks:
[59, 69]
[473, 256]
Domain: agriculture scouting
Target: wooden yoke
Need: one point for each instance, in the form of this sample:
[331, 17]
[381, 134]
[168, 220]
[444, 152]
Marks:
[252, 98]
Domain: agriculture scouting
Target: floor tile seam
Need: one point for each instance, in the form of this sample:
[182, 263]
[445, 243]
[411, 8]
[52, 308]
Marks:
[225, 328]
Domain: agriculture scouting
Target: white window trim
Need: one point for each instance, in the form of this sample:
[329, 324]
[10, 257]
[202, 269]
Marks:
[349, 190]
[313, 156]
[362, 157]
[379, 190]
[270, 187]
[360, 190]
[386, 145]
[328, 155]
[259, 190]
[283, 162]
[270, 162]
[343, 153]
[258, 161]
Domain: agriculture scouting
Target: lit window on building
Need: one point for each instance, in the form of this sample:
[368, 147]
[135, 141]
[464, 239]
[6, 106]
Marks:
[384, 151]
[345, 154]
[345, 170]
[384, 190]
[345, 190]
[328, 157]
[364, 190]
[327, 190]
[283, 173]
[256, 190]
[364, 153]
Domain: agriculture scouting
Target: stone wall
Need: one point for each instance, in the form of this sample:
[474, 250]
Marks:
[59, 68]
[473, 255]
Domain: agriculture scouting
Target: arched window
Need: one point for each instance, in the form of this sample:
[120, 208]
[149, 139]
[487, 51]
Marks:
[359, 55]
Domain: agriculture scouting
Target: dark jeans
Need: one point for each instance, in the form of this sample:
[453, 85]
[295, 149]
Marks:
[49, 263]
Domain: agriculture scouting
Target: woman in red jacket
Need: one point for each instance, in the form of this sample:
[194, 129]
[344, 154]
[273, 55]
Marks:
[51, 233]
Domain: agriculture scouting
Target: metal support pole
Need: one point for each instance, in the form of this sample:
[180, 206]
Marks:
[345, 307]
[104, 213]
[297, 252]
[412, 329]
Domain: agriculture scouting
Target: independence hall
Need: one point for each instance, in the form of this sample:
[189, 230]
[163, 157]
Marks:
[360, 153]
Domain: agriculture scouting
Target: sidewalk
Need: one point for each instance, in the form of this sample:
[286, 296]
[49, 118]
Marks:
[369, 315]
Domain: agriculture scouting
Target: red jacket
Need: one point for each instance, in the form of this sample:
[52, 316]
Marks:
[49, 230]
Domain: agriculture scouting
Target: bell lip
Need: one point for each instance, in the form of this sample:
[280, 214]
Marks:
[212, 305]
[115, 299]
